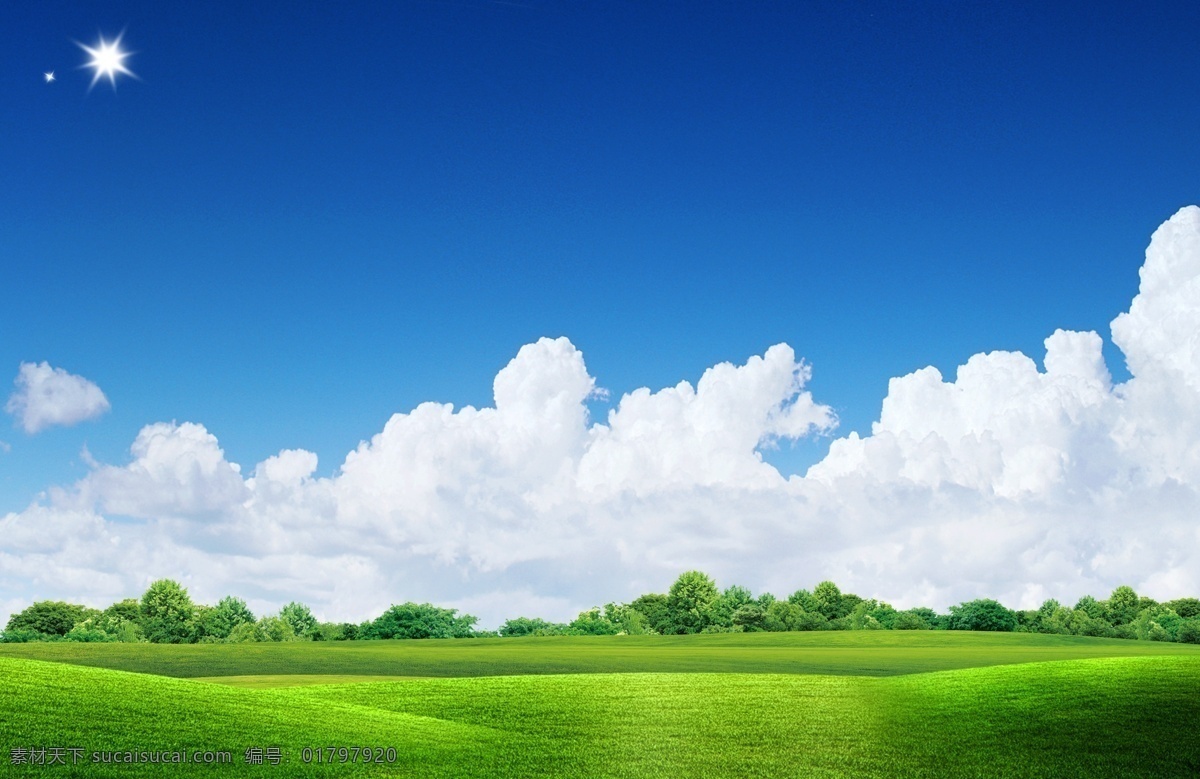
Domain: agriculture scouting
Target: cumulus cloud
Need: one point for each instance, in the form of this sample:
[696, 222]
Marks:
[47, 396]
[1010, 480]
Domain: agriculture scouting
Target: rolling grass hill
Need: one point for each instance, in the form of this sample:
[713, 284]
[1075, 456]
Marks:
[1128, 717]
[861, 653]
[884, 705]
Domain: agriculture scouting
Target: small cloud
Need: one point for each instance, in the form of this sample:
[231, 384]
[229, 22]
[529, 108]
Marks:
[48, 396]
[5, 447]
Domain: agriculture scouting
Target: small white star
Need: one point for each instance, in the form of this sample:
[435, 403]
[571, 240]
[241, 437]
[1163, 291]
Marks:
[49, 76]
[107, 60]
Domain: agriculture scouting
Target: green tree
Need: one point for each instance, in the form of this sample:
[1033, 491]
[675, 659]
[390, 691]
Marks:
[301, 618]
[1082, 623]
[908, 620]
[128, 609]
[243, 633]
[829, 600]
[1189, 631]
[270, 628]
[1185, 607]
[593, 622]
[749, 617]
[932, 618]
[420, 620]
[784, 615]
[228, 614]
[628, 620]
[654, 608]
[274, 628]
[87, 632]
[167, 613]
[334, 631]
[1122, 606]
[49, 617]
[806, 600]
[531, 626]
[872, 615]
[727, 603]
[690, 601]
[982, 614]
[1092, 607]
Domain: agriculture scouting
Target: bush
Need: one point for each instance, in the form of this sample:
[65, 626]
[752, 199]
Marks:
[51, 617]
[334, 631]
[871, 615]
[420, 620]
[1189, 632]
[244, 632]
[748, 617]
[628, 620]
[527, 626]
[128, 609]
[907, 620]
[1083, 624]
[25, 636]
[592, 623]
[727, 604]
[266, 629]
[722, 629]
[654, 608]
[87, 632]
[1185, 607]
[275, 629]
[984, 614]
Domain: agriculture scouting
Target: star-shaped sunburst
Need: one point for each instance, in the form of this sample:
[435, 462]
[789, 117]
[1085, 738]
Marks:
[108, 59]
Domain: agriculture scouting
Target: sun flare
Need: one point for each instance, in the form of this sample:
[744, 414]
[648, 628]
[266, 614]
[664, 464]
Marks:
[108, 59]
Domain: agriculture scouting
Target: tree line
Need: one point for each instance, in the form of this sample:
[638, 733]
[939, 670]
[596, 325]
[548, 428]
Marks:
[166, 614]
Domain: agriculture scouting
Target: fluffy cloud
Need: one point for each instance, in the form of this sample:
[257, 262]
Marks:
[1013, 480]
[47, 396]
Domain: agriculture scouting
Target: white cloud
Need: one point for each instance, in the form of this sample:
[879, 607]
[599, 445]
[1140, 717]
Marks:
[177, 471]
[47, 396]
[1009, 481]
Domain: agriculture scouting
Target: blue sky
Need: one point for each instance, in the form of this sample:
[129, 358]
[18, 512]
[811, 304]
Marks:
[303, 217]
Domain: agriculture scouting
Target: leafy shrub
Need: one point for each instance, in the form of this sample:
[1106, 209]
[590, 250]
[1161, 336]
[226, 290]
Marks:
[1189, 632]
[265, 629]
[25, 636]
[653, 607]
[907, 620]
[749, 617]
[420, 620]
[1185, 607]
[88, 632]
[334, 631]
[593, 623]
[982, 614]
[51, 617]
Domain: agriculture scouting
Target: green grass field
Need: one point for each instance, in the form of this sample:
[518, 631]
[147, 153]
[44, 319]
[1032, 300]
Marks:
[873, 704]
[874, 653]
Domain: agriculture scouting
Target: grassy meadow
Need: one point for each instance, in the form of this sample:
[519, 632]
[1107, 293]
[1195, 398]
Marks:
[869, 704]
[855, 653]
